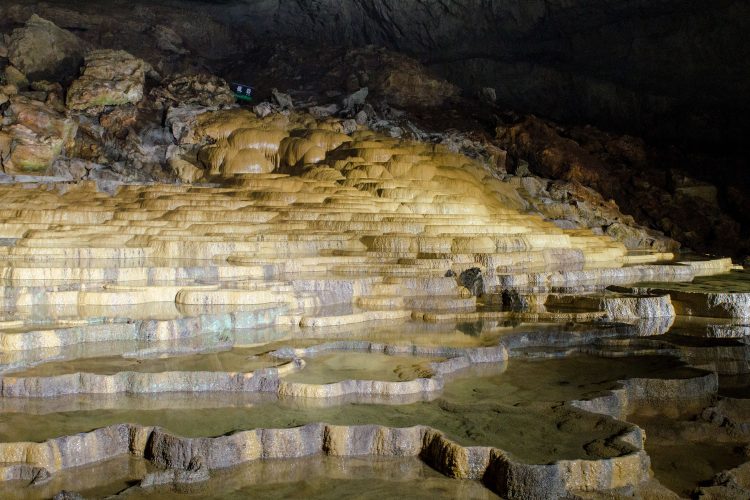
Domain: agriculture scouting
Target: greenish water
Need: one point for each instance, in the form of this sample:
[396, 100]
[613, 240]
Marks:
[733, 282]
[337, 366]
[318, 477]
[235, 360]
[517, 409]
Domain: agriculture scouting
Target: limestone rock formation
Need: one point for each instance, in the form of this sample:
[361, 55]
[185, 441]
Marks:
[574, 205]
[205, 297]
[109, 78]
[34, 137]
[43, 51]
[399, 79]
[12, 76]
[193, 90]
[556, 58]
[619, 168]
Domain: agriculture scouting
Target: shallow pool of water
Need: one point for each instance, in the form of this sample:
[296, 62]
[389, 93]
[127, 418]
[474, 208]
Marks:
[337, 366]
[491, 405]
[318, 477]
[234, 360]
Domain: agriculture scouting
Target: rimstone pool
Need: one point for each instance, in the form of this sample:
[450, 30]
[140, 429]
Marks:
[346, 320]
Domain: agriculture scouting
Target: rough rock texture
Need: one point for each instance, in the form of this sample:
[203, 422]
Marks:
[110, 78]
[510, 477]
[571, 204]
[620, 169]
[400, 80]
[43, 51]
[12, 76]
[193, 90]
[34, 137]
[668, 68]
[734, 483]
[170, 37]
[709, 304]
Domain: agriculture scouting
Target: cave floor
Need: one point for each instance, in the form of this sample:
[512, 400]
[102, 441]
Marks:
[321, 304]
[296, 346]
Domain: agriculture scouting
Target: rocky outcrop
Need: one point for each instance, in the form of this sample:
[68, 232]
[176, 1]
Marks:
[620, 307]
[43, 51]
[625, 66]
[557, 58]
[398, 79]
[109, 78]
[706, 303]
[203, 90]
[35, 136]
[619, 167]
[571, 204]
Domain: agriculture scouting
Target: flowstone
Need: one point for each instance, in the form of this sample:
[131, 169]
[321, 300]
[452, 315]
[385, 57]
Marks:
[332, 294]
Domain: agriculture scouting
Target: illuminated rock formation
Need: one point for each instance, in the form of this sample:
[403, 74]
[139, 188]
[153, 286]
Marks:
[109, 78]
[307, 266]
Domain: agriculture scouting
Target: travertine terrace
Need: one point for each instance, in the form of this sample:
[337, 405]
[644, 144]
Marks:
[323, 274]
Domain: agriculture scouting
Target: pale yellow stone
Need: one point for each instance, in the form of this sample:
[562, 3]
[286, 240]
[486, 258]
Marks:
[14, 77]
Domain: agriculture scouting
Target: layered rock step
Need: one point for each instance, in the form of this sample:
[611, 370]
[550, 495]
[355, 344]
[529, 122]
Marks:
[252, 285]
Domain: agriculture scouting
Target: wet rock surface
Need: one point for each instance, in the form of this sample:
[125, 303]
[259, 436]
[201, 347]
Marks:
[362, 264]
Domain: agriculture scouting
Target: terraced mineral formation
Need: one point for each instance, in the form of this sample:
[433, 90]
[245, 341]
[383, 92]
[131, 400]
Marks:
[338, 293]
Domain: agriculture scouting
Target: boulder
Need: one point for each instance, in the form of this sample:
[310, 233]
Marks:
[185, 170]
[283, 100]
[42, 50]
[397, 79]
[199, 90]
[9, 89]
[35, 136]
[324, 111]
[13, 76]
[119, 121]
[110, 78]
[355, 100]
[551, 155]
[263, 109]
[405, 82]
[472, 280]
[168, 39]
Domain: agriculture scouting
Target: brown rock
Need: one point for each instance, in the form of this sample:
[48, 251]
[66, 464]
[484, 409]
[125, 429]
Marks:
[38, 136]
[110, 78]
[551, 155]
[9, 90]
[119, 119]
[400, 80]
[5, 144]
[42, 50]
[406, 82]
[14, 77]
[199, 90]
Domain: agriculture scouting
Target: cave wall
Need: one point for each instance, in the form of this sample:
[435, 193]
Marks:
[665, 69]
